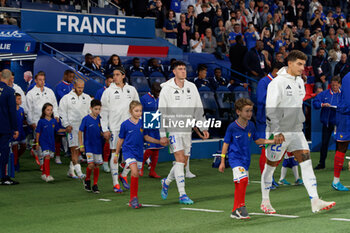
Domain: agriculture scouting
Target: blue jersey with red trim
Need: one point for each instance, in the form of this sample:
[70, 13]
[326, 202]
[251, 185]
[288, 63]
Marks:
[47, 131]
[239, 139]
[261, 92]
[91, 128]
[99, 93]
[20, 119]
[62, 89]
[132, 133]
[343, 111]
[150, 104]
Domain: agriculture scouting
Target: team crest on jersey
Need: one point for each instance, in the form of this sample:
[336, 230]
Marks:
[188, 91]
[341, 136]
[241, 169]
[53, 126]
[249, 134]
[128, 91]
[141, 130]
[99, 125]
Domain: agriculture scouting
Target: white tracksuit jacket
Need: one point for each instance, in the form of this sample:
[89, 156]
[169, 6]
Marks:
[115, 106]
[185, 101]
[35, 102]
[284, 101]
[19, 90]
[73, 108]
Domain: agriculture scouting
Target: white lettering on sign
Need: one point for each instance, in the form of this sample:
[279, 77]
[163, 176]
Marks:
[60, 22]
[9, 34]
[99, 25]
[72, 23]
[5, 46]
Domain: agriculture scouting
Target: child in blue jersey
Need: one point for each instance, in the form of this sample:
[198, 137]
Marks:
[150, 104]
[90, 127]
[19, 145]
[45, 138]
[131, 137]
[238, 137]
[290, 162]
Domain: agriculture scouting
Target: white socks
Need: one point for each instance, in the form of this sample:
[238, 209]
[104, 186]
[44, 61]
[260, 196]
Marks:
[125, 171]
[266, 181]
[309, 178]
[114, 170]
[336, 180]
[283, 173]
[187, 168]
[77, 169]
[71, 168]
[295, 172]
[180, 177]
[171, 175]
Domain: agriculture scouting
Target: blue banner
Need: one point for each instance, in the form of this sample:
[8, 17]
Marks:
[98, 25]
[15, 41]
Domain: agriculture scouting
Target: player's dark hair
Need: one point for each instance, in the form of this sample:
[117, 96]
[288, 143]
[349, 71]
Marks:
[17, 94]
[110, 60]
[88, 55]
[202, 67]
[40, 73]
[134, 104]
[95, 102]
[242, 102]
[108, 76]
[277, 65]
[217, 68]
[178, 63]
[67, 72]
[121, 69]
[336, 79]
[296, 54]
[135, 59]
[43, 110]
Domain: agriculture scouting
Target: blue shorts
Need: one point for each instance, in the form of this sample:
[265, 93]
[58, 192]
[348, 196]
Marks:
[290, 162]
[343, 128]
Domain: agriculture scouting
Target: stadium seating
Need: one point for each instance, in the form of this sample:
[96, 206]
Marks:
[140, 82]
[40, 6]
[104, 11]
[208, 100]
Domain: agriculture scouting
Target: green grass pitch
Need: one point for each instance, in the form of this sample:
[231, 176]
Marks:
[63, 206]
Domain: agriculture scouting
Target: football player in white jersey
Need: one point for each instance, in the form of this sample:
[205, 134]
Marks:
[179, 100]
[284, 118]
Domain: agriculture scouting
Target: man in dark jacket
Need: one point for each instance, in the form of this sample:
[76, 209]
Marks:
[8, 126]
[322, 69]
[327, 102]
[236, 54]
[342, 67]
[254, 61]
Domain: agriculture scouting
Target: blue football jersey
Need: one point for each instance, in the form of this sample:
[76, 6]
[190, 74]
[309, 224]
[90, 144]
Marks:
[91, 128]
[132, 133]
[239, 139]
[20, 119]
[47, 131]
[150, 104]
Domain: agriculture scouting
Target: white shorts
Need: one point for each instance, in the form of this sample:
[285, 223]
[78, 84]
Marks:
[293, 141]
[113, 140]
[46, 153]
[239, 173]
[180, 142]
[94, 158]
[128, 162]
[72, 137]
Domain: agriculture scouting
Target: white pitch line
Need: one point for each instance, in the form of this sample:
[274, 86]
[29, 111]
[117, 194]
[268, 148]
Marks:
[104, 199]
[341, 219]
[203, 210]
[276, 215]
[255, 182]
[147, 205]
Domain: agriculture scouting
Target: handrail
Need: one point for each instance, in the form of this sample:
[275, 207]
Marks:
[71, 59]
[234, 71]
